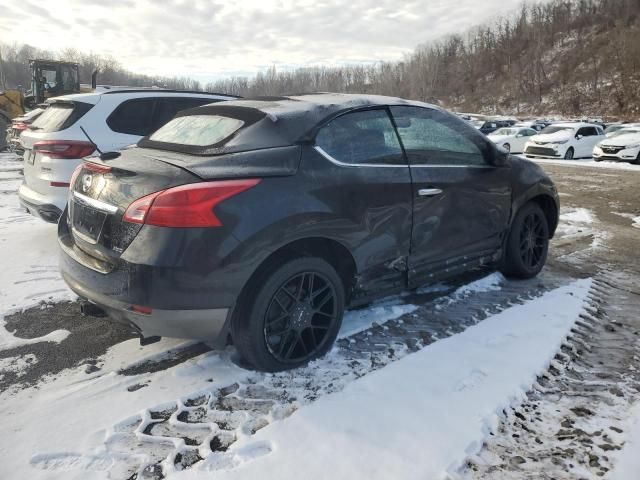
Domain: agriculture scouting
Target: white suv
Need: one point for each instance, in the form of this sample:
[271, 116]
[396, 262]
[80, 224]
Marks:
[55, 144]
[565, 140]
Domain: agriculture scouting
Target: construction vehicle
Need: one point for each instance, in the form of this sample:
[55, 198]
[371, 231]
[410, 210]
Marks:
[49, 78]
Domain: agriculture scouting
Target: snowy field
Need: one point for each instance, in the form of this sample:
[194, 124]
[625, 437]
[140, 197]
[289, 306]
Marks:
[414, 388]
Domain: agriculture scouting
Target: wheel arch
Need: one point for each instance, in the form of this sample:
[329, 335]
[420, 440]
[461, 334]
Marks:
[334, 252]
[549, 207]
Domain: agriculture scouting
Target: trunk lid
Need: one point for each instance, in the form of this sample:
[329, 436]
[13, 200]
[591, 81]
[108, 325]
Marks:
[98, 200]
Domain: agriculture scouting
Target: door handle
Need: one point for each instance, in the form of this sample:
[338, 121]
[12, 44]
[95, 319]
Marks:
[429, 192]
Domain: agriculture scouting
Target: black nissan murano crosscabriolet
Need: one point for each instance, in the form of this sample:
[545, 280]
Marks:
[260, 220]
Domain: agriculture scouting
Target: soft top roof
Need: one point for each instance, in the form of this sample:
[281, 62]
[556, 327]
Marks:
[277, 121]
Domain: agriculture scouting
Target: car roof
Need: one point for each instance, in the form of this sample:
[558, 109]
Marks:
[299, 113]
[284, 120]
[321, 101]
[94, 97]
[573, 124]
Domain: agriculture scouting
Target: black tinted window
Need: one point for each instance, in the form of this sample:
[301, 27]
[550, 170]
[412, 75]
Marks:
[361, 137]
[133, 117]
[433, 137]
[60, 115]
[166, 108]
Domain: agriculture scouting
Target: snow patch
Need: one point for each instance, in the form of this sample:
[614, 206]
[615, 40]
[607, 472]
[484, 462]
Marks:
[7, 340]
[627, 466]
[420, 417]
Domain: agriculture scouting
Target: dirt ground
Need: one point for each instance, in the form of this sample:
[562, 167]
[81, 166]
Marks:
[614, 197]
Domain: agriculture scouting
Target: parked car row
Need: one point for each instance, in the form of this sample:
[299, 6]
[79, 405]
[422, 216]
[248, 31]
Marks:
[569, 140]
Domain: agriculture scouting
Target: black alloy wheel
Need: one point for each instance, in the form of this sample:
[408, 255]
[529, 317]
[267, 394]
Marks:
[292, 314]
[300, 316]
[527, 245]
[532, 240]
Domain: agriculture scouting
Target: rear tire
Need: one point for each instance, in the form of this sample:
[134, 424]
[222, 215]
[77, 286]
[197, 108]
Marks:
[527, 245]
[568, 155]
[294, 316]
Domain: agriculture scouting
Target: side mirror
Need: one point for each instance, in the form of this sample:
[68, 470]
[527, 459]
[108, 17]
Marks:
[520, 135]
[498, 156]
[578, 137]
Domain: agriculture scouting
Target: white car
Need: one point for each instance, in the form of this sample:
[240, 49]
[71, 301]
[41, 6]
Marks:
[565, 140]
[621, 146]
[512, 139]
[55, 144]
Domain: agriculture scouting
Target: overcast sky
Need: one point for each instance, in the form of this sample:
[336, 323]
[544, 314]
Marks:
[207, 39]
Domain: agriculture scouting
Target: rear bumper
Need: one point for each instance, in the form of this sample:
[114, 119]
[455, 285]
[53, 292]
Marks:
[38, 205]
[199, 324]
[181, 304]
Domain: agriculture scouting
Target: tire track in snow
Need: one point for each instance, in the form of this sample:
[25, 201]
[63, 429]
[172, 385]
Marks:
[573, 420]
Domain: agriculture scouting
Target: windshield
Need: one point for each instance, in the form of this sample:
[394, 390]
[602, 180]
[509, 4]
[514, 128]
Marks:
[505, 131]
[624, 131]
[613, 128]
[555, 128]
[197, 130]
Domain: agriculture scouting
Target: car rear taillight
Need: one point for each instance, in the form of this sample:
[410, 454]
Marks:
[75, 174]
[186, 206]
[64, 148]
[97, 167]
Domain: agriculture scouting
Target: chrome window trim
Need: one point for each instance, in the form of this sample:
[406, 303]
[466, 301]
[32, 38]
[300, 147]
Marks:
[97, 204]
[343, 164]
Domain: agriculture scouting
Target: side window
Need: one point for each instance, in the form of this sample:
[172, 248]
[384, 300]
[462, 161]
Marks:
[133, 117]
[166, 108]
[361, 137]
[431, 137]
[69, 79]
[530, 132]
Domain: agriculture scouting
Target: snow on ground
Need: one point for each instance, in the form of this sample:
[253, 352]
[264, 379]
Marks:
[590, 163]
[627, 466]
[419, 417]
[635, 220]
[576, 223]
[28, 255]
[28, 248]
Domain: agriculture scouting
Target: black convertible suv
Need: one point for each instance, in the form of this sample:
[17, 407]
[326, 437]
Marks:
[260, 220]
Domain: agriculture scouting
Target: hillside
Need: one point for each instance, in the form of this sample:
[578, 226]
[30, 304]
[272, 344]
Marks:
[570, 57]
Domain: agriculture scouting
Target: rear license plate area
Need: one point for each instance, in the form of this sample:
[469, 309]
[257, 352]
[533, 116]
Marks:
[87, 222]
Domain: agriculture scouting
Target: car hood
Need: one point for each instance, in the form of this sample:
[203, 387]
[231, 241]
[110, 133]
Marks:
[552, 137]
[621, 140]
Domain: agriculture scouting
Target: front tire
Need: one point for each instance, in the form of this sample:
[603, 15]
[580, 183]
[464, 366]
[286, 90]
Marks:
[294, 317]
[507, 147]
[636, 161]
[527, 245]
[568, 155]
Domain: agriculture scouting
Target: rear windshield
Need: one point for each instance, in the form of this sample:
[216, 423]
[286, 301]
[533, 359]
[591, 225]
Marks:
[60, 115]
[197, 130]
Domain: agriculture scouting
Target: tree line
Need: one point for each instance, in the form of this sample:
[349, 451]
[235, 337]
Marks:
[570, 57]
